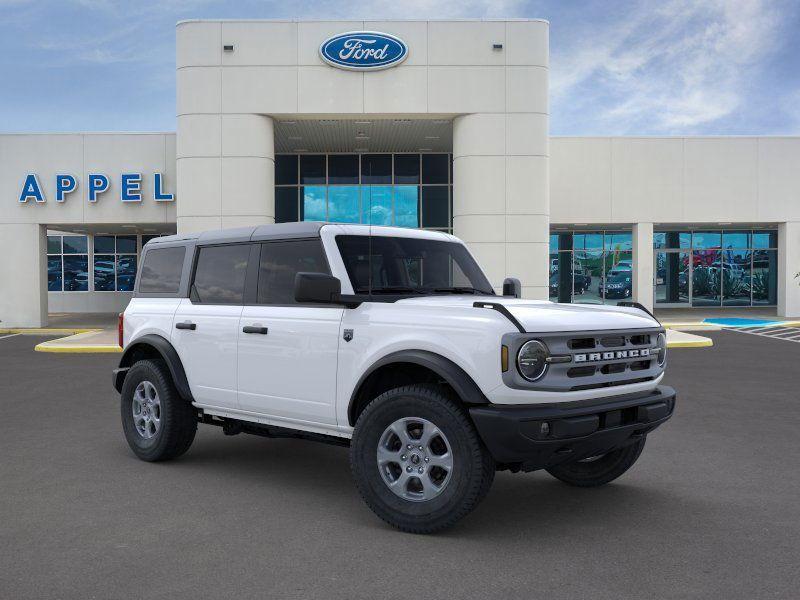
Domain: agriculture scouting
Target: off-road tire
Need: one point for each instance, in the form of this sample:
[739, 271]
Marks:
[600, 471]
[473, 466]
[178, 417]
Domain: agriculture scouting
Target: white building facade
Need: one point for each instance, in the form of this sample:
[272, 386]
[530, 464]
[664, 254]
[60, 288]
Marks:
[443, 126]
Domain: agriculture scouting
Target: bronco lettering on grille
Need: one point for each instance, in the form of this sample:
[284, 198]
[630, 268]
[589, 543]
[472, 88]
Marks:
[616, 355]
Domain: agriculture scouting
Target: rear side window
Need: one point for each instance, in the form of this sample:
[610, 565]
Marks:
[161, 271]
[280, 262]
[220, 274]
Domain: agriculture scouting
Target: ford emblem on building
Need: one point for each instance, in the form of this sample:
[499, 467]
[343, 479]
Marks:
[363, 50]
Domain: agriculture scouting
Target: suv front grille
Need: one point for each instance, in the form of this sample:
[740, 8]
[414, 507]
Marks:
[596, 359]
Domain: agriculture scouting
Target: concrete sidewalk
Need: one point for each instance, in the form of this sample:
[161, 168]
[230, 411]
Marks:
[98, 341]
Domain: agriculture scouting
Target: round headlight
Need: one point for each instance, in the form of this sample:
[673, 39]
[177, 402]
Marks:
[661, 346]
[532, 360]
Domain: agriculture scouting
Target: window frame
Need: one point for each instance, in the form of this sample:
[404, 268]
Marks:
[193, 273]
[254, 274]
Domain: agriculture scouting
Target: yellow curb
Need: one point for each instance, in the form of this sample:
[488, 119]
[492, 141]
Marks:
[695, 325]
[46, 331]
[704, 343]
[99, 349]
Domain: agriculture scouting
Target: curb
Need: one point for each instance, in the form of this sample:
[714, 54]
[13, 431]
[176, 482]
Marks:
[104, 349]
[704, 343]
[45, 331]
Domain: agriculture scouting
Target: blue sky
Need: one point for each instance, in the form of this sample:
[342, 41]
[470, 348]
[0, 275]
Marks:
[617, 67]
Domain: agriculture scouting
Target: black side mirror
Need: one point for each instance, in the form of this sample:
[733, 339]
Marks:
[512, 287]
[320, 288]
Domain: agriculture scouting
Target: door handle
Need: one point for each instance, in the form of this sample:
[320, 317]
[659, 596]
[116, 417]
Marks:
[255, 329]
[186, 325]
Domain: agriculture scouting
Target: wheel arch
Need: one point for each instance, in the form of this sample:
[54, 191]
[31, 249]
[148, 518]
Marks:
[409, 366]
[153, 346]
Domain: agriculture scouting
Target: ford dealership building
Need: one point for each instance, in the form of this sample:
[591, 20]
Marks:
[434, 124]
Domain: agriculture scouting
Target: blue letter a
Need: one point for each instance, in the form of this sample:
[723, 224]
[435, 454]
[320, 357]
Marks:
[31, 189]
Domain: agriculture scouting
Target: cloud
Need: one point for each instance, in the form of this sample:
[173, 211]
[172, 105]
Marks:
[672, 68]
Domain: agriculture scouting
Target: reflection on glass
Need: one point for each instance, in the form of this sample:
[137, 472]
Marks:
[672, 239]
[103, 272]
[553, 271]
[706, 278]
[75, 244]
[553, 243]
[707, 239]
[406, 205]
[376, 204]
[76, 273]
[343, 204]
[618, 281]
[285, 204]
[314, 203]
[672, 277]
[765, 277]
[54, 244]
[54, 274]
[126, 273]
[588, 241]
[126, 244]
[765, 239]
[587, 274]
[434, 206]
[736, 239]
[618, 241]
[343, 168]
[406, 168]
[376, 168]
[735, 277]
[312, 168]
[104, 244]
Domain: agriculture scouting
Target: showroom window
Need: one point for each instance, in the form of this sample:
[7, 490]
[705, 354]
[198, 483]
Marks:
[591, 267]
[405, 190]
[114, 263]
[716, 267]
[67, 263]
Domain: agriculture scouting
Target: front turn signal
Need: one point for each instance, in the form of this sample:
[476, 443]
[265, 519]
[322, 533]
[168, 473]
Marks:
[504, 358]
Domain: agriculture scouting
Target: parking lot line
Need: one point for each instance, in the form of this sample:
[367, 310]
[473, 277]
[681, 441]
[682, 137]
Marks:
[2, 337]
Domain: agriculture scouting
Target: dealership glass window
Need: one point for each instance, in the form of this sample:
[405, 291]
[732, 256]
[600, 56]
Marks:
[114, 263]
[67, 263]
[718, 268]
[406, 190]
[591, 267]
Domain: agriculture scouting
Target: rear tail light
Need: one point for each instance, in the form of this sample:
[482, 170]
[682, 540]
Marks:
[120, 327]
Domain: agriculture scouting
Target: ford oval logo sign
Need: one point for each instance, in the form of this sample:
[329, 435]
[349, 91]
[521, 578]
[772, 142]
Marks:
[363, 51]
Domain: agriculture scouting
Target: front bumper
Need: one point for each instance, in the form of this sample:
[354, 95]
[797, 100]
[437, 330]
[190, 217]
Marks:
[539, 436]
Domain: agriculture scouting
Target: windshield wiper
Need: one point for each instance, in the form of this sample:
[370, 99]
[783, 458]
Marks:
[392, 289]
[462, 290]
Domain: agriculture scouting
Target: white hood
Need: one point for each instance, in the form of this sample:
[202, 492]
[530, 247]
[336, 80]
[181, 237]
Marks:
[544, 316]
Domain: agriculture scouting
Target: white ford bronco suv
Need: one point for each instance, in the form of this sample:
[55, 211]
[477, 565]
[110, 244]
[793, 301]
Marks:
[392, 342]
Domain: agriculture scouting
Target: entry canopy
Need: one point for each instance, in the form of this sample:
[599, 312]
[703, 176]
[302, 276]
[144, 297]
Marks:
[361, 135]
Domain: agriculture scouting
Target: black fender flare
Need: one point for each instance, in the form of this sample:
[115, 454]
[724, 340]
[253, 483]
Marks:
[166, 351]
[463, 385]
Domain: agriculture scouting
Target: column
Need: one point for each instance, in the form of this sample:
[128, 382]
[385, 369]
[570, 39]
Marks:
[226, 171]
[501, 201]
[23, 271]
[642, 276]
[788, 267]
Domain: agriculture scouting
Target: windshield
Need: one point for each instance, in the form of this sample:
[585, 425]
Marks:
[401, 265]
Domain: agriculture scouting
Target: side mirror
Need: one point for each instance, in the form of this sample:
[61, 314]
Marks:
[320, 288]
[512, 287]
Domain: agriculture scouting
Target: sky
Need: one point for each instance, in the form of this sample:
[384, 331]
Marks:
[617, 67]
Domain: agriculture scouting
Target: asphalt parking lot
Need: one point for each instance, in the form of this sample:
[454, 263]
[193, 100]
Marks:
[711, 510]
